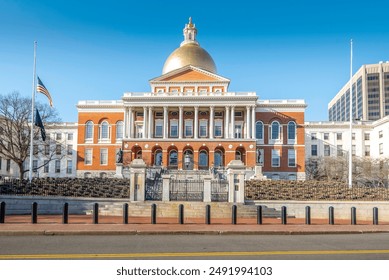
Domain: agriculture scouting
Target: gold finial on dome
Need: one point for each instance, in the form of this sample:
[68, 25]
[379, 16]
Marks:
[190, 22]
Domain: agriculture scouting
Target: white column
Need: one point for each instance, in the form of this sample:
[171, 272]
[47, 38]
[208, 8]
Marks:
[132, 128]
[129, 124]
[196, 122]
[165, 123]
[227, 123]
[145, 122]
[126, 122]
[150, 126]
[248, 126]
[211, 121]
[253, 120]
[180, 122]
[232, 122]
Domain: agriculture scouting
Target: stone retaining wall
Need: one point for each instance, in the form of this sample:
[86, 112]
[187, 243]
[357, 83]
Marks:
[342, 209]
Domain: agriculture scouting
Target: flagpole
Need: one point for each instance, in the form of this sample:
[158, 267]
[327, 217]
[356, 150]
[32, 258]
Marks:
[32, 115]
[350, 155]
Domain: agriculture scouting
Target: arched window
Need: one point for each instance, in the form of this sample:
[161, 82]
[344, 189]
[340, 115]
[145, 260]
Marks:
[139, 154]
[173, 158]
[104, 130]
[158, 158]
[275, 130]
[89, 130]
[238, 155]
[259, 130]
[218, 158]
[291, 130]
[119, 130]
[203, 159]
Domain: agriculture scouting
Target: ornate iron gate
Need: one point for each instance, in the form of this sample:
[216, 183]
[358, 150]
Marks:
[219, 190]
[186, 190]
[153, 185]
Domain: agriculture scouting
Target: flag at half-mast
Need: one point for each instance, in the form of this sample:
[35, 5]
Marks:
[42, 89]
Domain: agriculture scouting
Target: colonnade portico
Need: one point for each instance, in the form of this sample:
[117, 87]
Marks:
[228, 128]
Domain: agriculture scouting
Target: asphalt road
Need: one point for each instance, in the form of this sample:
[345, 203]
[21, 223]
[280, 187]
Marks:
[269, 247]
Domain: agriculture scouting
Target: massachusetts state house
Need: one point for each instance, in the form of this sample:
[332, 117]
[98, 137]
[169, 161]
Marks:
[190, 120]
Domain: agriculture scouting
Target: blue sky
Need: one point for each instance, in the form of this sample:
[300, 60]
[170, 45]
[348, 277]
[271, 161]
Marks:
[100, 49]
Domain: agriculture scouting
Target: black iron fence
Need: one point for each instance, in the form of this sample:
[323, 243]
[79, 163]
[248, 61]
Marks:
[186, 190]
[312, 190]
[93, 187]
[219, 190]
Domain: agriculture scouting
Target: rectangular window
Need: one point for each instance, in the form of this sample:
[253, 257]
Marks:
[380, 134]
[326, 136]
[327, 150]
[353, 150]
[291, 157]
[367, 150]
[203, 128]
[173, 128]
[313, 136]
[158, 128]
[275, 158]
[35, 149]
[70, 136]
[338, 136]
[46, 166]
[238, 114]
[69, 167]
[381, 148]
[88, 157]
[339, 149]
[34, 165]
[238, 131]
[8, 168]
[104, 156]
[188, 128]
[70, 149]
[139, 131]
[58, 149]
[57, 166]
[47, 149]
[218, 114]
[58, 136]
[313, 150]
[353, 136]
[218, 128]
[367, 136]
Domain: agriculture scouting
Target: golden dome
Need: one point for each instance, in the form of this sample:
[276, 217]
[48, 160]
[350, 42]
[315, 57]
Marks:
[189, 53]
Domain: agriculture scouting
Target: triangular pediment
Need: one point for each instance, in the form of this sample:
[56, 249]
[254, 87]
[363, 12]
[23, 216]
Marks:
[190, 74]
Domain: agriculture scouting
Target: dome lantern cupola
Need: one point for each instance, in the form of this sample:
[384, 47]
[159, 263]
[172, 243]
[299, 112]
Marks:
[189, 53]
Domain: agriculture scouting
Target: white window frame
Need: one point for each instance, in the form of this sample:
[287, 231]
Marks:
[158, 123]
[257, 130]
[218, 123]
[88, 156]
[275, 158]
[173, 123]
[188, 123]
[119, 132]
[292, 156]
[57, 168]
[103, 156]
[104, 138]
[69, 167]
[46, 167]
[292, 140]
[203, 123]
[89, 131]
[240, 133]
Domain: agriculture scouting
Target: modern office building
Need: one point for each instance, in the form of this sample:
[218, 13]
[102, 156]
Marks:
[370, 95]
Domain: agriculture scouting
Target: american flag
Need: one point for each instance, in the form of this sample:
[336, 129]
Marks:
[42, 89]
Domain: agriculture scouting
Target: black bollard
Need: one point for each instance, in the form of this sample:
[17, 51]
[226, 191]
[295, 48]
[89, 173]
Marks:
[2, 212]
[34, 213]
[375, 216]
[125, 213]
[65, 213]
[307, 215]
[234, 214]
[331, 219]
[259, 215]
[283, 215]
[153, 213]
[208, 214]
[181, 214]
[96, 213]
[353, 215]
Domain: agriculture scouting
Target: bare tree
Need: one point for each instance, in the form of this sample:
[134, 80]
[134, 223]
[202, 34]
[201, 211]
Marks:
[15, 131]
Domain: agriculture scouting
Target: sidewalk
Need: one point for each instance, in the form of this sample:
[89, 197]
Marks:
[112, 225]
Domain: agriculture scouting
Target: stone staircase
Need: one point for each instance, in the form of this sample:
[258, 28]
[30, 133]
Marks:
[191, 209]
